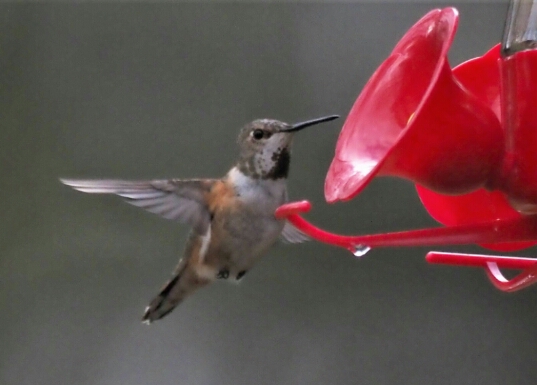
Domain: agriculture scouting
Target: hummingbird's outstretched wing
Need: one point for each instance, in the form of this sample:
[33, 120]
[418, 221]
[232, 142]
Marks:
[290, 234]
[176, 199]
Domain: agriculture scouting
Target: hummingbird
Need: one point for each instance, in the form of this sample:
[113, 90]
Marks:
[232, 218]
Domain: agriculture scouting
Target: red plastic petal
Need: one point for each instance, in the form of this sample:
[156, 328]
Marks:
[414, 120]
[360, 153]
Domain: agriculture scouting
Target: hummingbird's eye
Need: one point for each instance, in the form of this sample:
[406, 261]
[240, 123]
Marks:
[257, 134]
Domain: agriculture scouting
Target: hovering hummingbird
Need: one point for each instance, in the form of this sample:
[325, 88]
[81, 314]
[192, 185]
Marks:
[232, 218]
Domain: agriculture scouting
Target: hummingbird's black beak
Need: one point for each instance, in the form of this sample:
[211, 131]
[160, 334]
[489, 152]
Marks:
[307, 123]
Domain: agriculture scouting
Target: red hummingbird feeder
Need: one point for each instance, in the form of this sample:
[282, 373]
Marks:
[467, 138]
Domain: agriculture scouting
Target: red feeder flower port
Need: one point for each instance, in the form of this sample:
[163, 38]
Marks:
[466, 137]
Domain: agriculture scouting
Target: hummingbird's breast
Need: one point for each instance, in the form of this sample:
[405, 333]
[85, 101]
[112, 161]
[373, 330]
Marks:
[243, 225]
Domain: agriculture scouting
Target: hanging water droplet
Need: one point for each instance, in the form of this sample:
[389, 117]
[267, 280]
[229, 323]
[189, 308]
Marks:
[359, 250]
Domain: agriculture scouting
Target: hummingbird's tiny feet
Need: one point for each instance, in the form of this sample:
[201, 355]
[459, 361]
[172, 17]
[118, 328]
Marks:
[240, 274]
[223, 274]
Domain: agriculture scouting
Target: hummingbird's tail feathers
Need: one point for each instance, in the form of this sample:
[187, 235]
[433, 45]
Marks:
[183, 283]
[162, 304]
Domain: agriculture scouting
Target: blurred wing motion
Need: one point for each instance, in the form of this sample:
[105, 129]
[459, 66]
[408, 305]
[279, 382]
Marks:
[176, 199]
[290, 234]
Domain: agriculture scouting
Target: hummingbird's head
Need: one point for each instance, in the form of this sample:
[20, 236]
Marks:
[265, 146]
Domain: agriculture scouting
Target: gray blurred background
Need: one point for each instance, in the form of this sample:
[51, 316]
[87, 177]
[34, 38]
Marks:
[160, 90]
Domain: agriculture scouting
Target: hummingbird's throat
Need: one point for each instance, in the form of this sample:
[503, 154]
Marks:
[266, 165]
